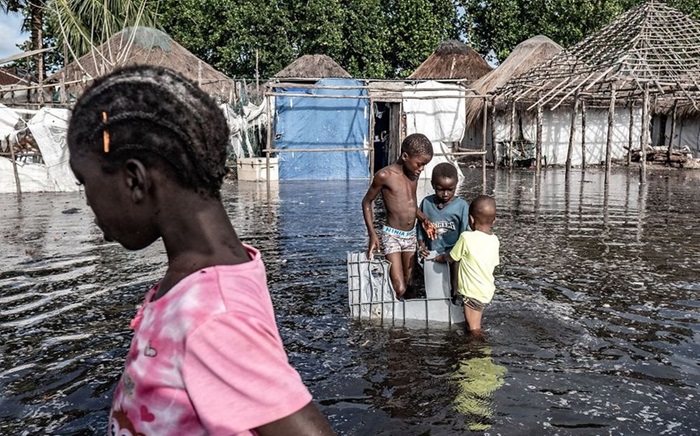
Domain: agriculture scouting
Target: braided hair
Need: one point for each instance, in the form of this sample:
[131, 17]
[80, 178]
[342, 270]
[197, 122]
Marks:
[155, 115]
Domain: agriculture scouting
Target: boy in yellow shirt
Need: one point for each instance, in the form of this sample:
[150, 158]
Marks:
[477, 254]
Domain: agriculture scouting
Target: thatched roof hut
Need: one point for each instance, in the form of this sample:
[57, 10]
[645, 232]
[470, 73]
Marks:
[452, 60]
[143, 45]
[651, 46]
[313, 67]
[523, 58]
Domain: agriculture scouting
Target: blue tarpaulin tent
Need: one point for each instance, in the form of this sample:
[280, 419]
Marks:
[320, 123]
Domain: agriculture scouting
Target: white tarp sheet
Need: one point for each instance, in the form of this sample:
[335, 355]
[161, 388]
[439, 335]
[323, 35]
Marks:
[442, 119]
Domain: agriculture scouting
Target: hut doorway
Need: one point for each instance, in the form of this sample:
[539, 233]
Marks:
[387, 133]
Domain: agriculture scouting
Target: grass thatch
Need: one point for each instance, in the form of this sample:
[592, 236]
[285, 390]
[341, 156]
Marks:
[452, 60]
[524, 57]
[313, 67]
[144, 46]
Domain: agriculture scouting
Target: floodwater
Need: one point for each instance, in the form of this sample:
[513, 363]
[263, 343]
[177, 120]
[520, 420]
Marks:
[593, 330]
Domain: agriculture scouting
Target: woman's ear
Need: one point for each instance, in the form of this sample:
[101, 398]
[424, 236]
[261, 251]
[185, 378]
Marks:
[138, 180]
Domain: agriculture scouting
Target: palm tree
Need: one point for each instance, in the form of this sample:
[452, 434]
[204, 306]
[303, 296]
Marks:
[78, 25]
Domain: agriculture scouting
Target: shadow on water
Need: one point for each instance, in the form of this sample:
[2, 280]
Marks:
[593, 329]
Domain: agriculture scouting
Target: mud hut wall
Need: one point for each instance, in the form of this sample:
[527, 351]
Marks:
[687, 133]
[556, 130]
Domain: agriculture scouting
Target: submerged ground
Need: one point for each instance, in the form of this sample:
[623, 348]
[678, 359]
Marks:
[594, 328]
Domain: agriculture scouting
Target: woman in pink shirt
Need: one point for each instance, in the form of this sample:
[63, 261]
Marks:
[206, 357]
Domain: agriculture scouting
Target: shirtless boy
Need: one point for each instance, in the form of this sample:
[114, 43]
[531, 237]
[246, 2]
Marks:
[397, 184]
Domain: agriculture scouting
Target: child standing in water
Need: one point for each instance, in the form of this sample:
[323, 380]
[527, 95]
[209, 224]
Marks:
[206, 356]
[398, 183]
[448, 212]
[477, 254]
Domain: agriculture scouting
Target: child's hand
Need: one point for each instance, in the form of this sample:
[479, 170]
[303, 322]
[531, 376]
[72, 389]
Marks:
[373, 245]
[429, 228]
[440, 259]
[423, 251]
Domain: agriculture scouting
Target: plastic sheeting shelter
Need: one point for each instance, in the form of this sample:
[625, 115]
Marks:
[371, 296]
[322, 123]
[49, 127]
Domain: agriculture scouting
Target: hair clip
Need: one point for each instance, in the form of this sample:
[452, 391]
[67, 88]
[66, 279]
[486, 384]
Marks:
[105, 133]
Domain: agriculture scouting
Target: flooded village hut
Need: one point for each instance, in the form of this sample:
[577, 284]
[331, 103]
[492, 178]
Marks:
[436, 106]
[601, 93]
[452, 60]
[144, 45]
[320, 126]
[523, 58]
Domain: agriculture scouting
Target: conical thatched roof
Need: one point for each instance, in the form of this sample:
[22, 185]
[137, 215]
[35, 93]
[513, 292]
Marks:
[143, 45]
[523, 58]
[313, 67]
[452, 60]
[650, 45]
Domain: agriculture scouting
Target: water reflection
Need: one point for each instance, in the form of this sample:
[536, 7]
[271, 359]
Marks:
[478, 378]
[594, 319]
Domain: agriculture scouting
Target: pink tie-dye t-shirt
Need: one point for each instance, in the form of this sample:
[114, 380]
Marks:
[206, 358]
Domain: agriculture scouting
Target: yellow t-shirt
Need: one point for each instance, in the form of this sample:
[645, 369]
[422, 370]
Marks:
[477, 253]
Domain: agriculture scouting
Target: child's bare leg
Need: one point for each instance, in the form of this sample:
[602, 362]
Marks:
[409, 261]
[473, 318]
[396, 272]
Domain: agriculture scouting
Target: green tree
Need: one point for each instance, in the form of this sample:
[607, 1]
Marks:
[366, 35]
[416, 28]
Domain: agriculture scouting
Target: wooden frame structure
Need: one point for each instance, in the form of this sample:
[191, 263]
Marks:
[649, 57]
[375, 95]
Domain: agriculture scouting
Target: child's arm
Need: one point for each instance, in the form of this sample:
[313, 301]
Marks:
[427, 225]
[307, 421]
[443, 258]
[368, 214]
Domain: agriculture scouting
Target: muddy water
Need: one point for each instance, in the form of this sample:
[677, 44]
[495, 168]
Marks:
[594, 328]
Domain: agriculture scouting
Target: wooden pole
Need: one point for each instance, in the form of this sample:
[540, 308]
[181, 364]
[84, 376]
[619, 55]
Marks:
[371, 140]
[629, 145]
[572, 132]
[269, 140]
[492, 122]
[512, 136]
[257, 76]
[583, 134]
[608, 142]
[538, 141]
[674, 115]
[645, 133]
[484, 133]
[14, 166]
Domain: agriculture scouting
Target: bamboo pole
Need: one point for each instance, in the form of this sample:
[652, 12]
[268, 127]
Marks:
[572, 132]
[512, 136]
[645, 134]
[583, 134]
[609, 139]
[629, 145]
[674, 115]
[538, 141]
[492, 122]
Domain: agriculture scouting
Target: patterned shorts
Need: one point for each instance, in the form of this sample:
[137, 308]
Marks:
[396, 241]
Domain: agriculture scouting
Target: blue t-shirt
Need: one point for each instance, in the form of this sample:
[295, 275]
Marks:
[450, 221]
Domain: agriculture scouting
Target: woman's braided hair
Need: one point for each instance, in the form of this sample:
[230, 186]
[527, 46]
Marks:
[155, 115]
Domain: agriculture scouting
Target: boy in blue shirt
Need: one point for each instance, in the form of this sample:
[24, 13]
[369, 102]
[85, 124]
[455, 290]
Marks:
[449, 214]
